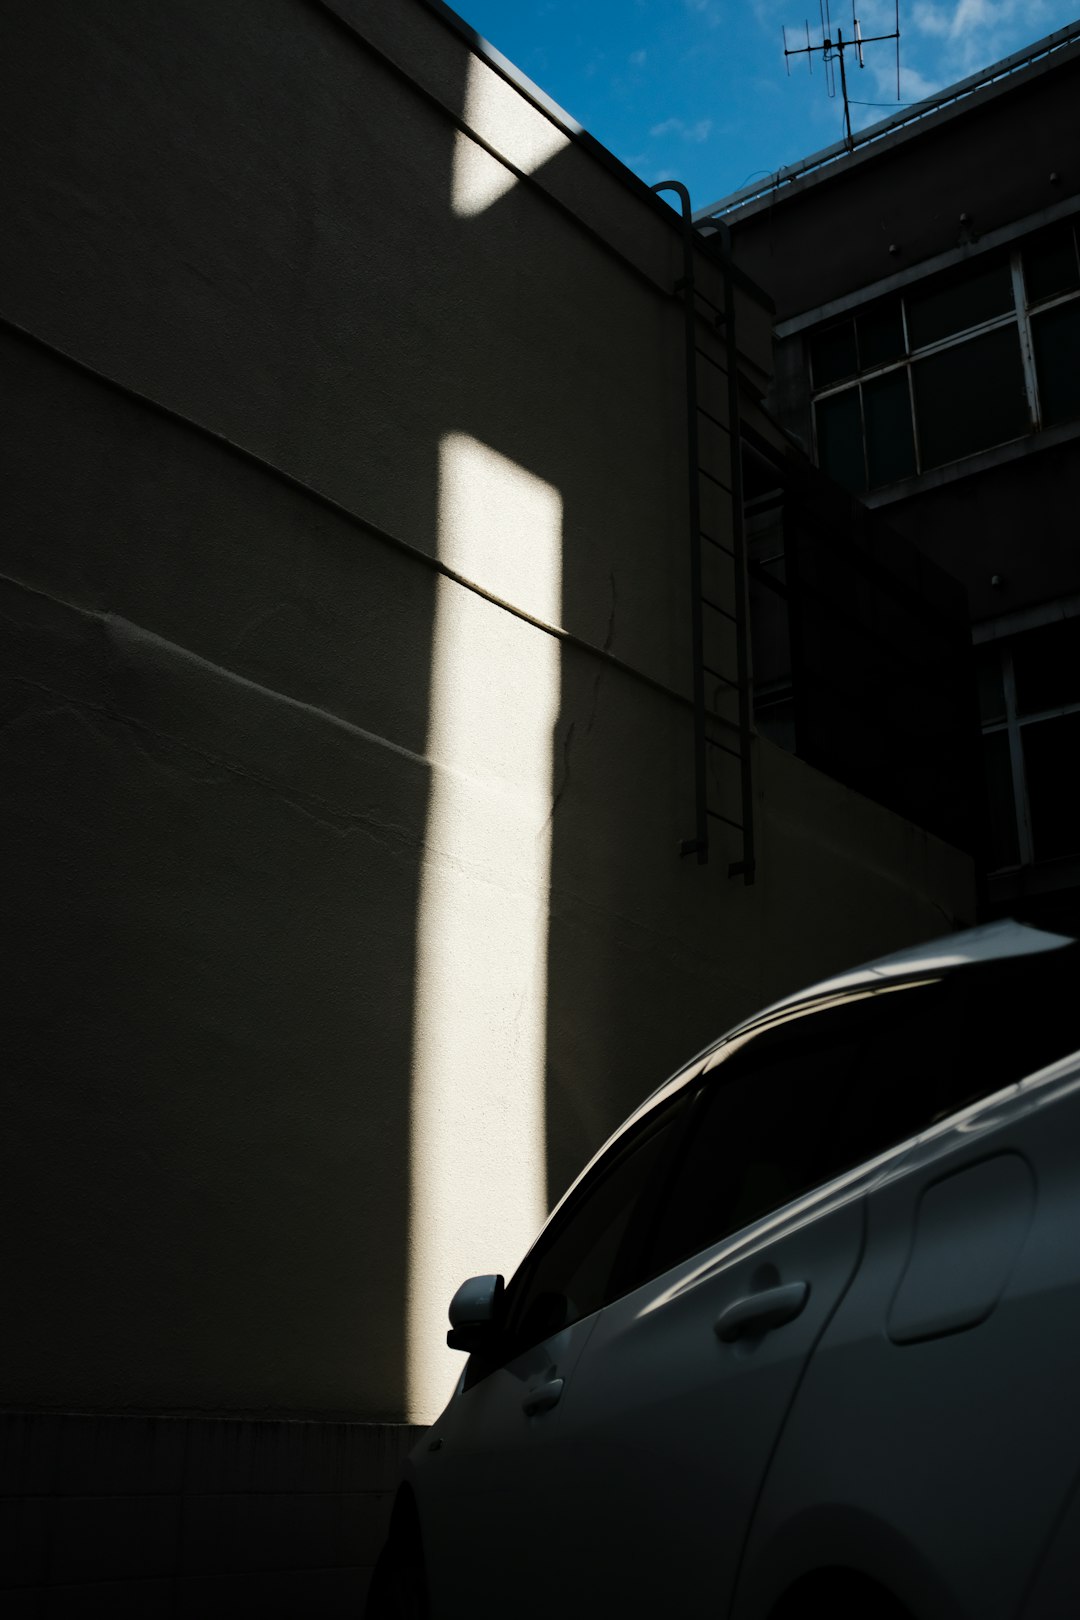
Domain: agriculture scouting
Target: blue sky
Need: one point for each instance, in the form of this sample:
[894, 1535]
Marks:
[696, 90]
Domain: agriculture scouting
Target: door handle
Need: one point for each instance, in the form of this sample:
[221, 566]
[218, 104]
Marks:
[542, 1398]
[760, 1312]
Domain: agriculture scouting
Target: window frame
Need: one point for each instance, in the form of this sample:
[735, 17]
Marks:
[1014, 723]
[1019, 315]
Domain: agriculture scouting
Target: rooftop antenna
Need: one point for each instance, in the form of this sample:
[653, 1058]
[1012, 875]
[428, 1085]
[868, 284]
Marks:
[832, 49]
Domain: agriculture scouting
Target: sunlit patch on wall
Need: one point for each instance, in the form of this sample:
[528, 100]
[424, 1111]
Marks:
[498, 114]
[478, 1131]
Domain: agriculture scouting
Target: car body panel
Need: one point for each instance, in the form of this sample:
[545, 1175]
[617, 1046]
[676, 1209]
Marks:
[963, 1440]
[494, 1470]
[670, 1428]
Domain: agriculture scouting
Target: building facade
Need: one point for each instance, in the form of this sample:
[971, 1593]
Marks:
[927, 284]
[349, 748]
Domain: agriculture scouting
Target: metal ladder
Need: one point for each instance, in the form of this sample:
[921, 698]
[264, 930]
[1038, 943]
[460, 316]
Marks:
[707, 720]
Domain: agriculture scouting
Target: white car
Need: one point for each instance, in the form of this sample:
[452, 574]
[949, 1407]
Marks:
[803, 1338]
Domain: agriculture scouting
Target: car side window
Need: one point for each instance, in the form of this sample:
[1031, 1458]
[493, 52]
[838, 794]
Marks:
[805, 1100]
[758, 1136]
[575, 1267]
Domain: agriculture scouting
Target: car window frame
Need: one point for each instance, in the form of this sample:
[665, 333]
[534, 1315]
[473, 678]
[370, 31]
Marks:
[675, 1101]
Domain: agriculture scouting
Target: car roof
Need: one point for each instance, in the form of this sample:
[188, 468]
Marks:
[996, 942]
[935, 959]
[992, 942]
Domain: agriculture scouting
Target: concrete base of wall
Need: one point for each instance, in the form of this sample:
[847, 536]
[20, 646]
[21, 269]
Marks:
[173, 1516]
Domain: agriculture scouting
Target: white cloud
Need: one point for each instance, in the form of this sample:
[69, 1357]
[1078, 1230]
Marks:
[975, 32]
[931, 20]
[915, 86]
[698, 131]
[711, 11]
[969, 15]
[637, 58]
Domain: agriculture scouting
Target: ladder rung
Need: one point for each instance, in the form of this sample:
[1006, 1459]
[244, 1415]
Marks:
[762, 578]
[715, 420]
[707, 602]
[723, 720]
[726, 819]
[705, 355]
[719, 482]
[718, 676]
[714, 742]
[719, 544]
[706, 300]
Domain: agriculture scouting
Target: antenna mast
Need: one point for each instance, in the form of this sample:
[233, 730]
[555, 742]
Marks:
[832, 49]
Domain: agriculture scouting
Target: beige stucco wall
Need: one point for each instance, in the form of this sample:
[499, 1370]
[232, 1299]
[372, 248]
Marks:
[347, 749]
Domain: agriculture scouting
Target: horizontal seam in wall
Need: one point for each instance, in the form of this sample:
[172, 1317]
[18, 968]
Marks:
[296, 1420]
[181, 655]
[181, 1493]
[287, 791]
[70, 1585]
[181, 1576]
[354, 518]
[190, 1576]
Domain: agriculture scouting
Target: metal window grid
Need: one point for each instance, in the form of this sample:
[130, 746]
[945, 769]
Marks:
[1020, 316]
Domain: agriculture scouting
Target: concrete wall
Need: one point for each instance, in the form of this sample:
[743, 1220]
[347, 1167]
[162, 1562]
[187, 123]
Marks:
[165, 1518]
[982, 528]
[347, 747]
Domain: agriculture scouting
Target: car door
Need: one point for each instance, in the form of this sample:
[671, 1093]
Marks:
[942, 1408]
[683, 1387]
[489, 1491]
[682, 1391]
[933, 1445]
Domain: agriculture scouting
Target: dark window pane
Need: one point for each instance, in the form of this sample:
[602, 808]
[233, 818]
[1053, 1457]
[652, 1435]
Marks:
[1051, 753]
[970, 397]
[955, 302]
[991, 689]
[1056, 336]
[832, 354]
[839, 437]
[774, 718]
[571, 1271]
[890, 444]
[1001, 801]
[881, 334]
[825, 1092]
[752, 1145]
[1046, 663]
[1050, 265]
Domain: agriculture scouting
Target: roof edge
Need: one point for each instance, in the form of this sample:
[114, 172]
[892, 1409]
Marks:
[921, 114]
[579, 134]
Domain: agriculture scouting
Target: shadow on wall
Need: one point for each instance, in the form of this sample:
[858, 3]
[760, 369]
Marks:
[218, 724]
[297, 1042]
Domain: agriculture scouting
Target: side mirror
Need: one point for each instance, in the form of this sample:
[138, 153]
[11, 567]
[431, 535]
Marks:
[475, 1313]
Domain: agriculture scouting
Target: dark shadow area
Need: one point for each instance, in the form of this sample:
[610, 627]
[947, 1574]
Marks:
[214, 855]
[862, 650]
